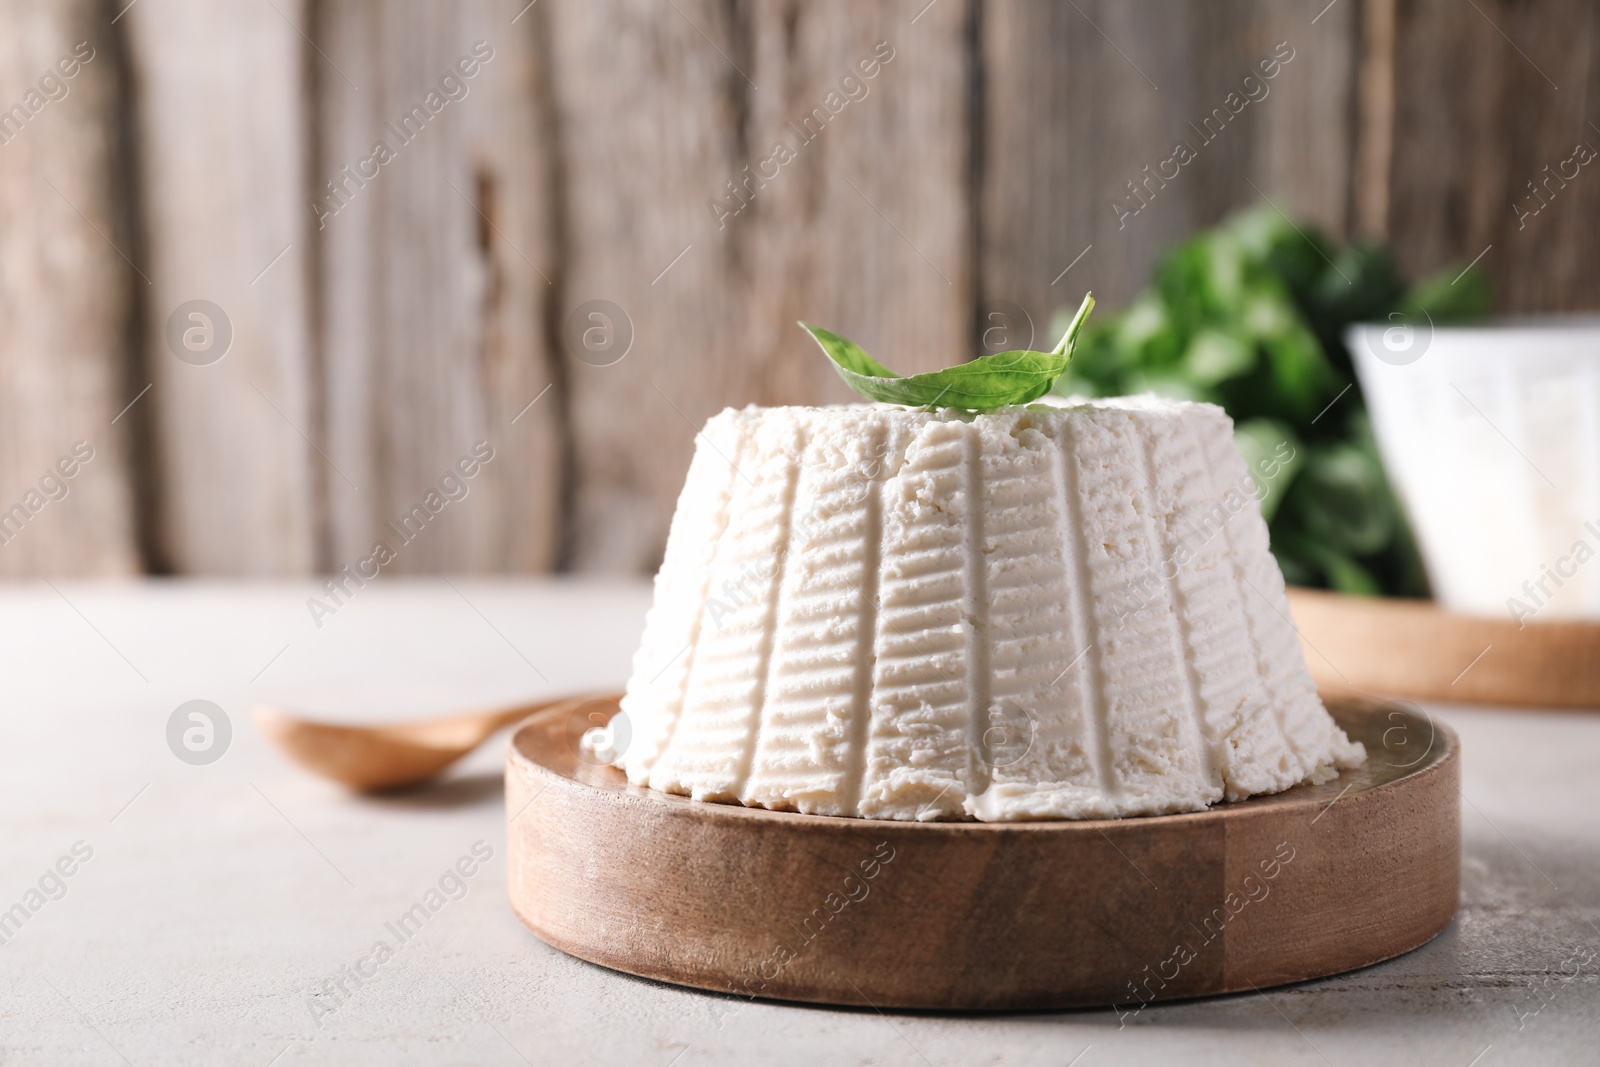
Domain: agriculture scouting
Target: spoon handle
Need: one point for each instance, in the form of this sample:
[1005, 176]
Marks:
[509, 716]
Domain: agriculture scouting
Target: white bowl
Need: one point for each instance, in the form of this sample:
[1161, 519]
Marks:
[1491, 436]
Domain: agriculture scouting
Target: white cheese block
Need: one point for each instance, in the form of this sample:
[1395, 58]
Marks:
[1034, 613]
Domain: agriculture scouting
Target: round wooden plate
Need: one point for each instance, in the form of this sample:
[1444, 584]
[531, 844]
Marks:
[1414, 648]
[1309, 882]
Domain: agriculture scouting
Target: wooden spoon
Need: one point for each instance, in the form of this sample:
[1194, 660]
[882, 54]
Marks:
[385, 757]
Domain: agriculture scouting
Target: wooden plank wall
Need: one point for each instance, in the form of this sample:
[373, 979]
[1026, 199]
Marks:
[941, 168]
[64, 297]
[220, 123]
[436, 277]
[1484, 101]
[1079, 99]
[868, 228]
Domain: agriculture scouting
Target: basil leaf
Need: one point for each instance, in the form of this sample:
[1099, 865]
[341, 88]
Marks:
[847, 355]
[987, 382]
[982, 384]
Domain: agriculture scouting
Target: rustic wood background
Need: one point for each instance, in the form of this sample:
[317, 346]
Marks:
[372, 348]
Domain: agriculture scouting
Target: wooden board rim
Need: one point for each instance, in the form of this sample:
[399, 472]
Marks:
[1419, 650]
[575, 847]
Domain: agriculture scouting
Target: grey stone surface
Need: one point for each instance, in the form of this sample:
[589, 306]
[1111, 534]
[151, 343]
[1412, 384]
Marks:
[219, 899]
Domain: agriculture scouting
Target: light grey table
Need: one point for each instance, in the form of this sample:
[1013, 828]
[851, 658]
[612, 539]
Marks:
[217, 901]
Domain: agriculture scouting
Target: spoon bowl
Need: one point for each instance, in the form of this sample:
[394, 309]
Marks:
[368, 758]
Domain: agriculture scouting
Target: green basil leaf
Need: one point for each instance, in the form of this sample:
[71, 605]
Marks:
[847, 355]
[985, 383]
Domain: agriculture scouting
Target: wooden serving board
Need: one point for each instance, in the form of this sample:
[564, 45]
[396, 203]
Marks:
[973, 916]
[1414, 648]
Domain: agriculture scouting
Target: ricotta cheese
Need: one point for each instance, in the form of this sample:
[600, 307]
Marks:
[1052, 612]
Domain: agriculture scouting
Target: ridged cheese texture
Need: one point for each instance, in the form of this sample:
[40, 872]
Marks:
[1052, 612]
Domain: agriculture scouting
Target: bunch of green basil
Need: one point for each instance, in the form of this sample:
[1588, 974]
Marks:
[1250, 316]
